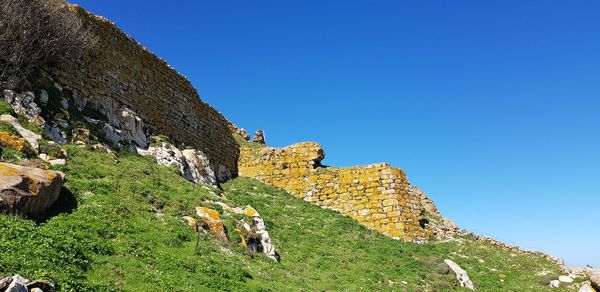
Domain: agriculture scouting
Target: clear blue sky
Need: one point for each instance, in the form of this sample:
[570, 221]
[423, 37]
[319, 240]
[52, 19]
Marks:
[491, 107]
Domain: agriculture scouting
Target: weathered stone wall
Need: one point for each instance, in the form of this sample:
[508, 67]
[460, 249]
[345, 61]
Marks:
[121, 69]
[378, 196]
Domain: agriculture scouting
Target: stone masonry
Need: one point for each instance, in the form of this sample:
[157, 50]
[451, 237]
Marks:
[121, 69]
[378, 196]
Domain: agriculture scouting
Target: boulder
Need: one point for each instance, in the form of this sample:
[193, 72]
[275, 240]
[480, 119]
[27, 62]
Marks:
[595, 279]
[28, 191]
[554, 284]
[461, 274]
[17, 284]
[29, 136]
[586, 287]
[213, 221]
[259, 137]
[565, 279]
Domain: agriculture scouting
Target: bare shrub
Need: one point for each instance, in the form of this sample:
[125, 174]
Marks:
[33, 33]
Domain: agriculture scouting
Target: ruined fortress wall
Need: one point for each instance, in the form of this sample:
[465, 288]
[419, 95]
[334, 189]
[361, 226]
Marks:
[121, 69]
[377, 196]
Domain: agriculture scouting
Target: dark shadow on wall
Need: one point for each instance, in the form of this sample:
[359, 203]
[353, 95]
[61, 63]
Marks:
[65, 203]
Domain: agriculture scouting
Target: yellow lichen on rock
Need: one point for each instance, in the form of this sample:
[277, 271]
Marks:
[11, 141]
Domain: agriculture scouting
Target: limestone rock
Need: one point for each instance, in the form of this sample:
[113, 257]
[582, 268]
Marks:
[29, 136]
[24, 104]
[259, 137]
[586, 287]
[554, 284]
[124, 126]
[595, 279]
[565, 279]
[198, 167]
[17, 284]
[192, 164]
[28, 191]
[461, 274]
[213, 221]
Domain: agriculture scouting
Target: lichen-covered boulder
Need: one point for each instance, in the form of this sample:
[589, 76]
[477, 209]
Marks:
[213, 221]
[28, 191]
[29, 136]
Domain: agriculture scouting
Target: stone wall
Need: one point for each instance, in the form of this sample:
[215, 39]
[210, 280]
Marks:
[119, 68]
[378, 196]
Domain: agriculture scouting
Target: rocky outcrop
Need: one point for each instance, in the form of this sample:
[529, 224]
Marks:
[198, 167]
[192, 164]
[28, 191]
[24, 104]
[461, 275]
[259, 137]
[253, 232]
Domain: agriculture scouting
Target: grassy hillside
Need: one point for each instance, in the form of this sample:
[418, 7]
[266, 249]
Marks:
[118, 226]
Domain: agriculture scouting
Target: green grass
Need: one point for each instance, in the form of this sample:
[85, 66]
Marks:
[118, 227]
[5, 108]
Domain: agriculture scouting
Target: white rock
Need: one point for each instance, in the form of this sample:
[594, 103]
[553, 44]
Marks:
[586, 287]
[18, 284]
[192, 164]
[29, 136]
[565, 279]
[57, 161]
[461, 274]
[198, 167]
[554, 284]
